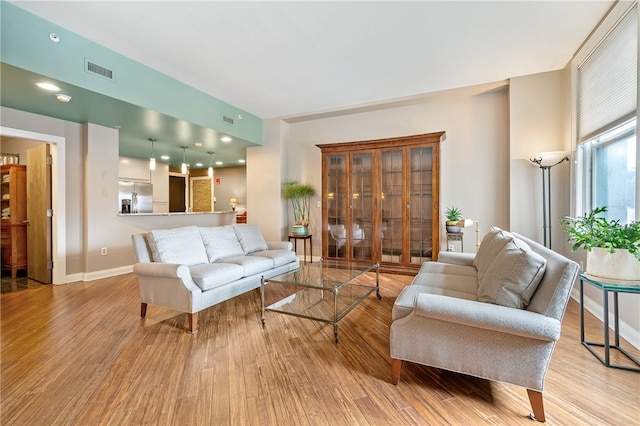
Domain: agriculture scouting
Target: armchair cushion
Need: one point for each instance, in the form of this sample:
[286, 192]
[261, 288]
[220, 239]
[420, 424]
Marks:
[250, 238]
[220, 242]
[178, 245]
[513, 277]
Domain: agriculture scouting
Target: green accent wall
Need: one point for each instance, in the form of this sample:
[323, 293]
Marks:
[26, 45]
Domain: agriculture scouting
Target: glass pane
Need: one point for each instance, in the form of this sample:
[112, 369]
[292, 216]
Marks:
[361, 202]
[336, 199]
[392, 207]
[420, 204]
[614, 173]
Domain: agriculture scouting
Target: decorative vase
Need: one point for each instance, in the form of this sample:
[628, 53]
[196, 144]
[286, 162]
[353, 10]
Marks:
[453, 229]
[300, 230]
[620, 265]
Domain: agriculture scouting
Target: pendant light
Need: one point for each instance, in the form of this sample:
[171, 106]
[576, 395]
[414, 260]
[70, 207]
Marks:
[152, 160]
[210, 169]
[184, 160]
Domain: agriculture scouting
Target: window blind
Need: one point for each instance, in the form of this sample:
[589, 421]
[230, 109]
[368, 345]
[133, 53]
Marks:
[608, 79]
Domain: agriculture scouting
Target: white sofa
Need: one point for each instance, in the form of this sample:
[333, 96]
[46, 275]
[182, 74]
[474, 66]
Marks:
[495, 315]
[192, 268]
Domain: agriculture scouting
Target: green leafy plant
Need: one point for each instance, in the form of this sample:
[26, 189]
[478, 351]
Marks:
[300, 196]
[592, 231]
[453, 214]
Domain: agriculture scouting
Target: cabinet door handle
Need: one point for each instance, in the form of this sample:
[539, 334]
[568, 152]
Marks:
[26, 222]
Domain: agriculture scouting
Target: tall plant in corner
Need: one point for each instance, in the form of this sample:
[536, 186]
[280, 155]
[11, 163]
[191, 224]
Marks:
[300, 196]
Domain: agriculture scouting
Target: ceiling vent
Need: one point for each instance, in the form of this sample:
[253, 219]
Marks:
[227, 119]
[99, 70]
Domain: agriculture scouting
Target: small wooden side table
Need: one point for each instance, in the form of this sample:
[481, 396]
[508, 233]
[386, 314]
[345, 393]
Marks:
[304, 239]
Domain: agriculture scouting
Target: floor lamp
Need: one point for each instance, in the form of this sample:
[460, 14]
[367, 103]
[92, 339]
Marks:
[545, 161]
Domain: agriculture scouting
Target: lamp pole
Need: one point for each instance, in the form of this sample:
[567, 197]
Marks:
[546, 196]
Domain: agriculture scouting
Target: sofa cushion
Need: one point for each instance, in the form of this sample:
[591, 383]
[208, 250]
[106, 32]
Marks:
[513, 276]
[277, 257]
[404, 303]
[252, 264]
[250, 238]
[461, 283]
[211, 275]
[491, 245]
[220, 242]
[178, 245]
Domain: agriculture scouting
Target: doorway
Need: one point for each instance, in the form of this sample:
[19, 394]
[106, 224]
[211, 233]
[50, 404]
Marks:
[177, 193]
[26, 139]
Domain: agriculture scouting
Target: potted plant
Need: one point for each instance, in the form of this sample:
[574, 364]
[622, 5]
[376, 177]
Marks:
[300, 196]
[613, 249]
[453, 216]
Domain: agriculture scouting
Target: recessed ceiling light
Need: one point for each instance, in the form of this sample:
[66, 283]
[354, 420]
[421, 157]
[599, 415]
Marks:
[198, 164]
[63, 98]
[198, 144]
[48, 86]
[165, 157]
[242, 161]
[54, 37]
[219, 163]
[226, 139]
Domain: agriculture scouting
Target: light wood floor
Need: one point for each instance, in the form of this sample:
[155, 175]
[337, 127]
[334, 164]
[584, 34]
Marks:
[79, 354]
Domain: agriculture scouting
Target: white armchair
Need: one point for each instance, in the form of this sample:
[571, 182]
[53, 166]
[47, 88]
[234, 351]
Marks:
[442, 319]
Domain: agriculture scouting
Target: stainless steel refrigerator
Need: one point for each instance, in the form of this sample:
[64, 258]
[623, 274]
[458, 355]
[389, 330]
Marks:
[135, 197]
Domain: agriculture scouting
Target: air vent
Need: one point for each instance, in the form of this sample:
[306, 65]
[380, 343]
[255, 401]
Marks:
[227, 119]
[99, 70]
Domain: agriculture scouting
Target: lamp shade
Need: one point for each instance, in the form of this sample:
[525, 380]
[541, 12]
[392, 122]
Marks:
[233, 201]
[549, 158]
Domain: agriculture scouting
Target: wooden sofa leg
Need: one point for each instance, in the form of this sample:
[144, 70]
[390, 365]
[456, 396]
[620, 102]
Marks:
[396, 366]
[143, 310]
[535, 398]
[193, 322]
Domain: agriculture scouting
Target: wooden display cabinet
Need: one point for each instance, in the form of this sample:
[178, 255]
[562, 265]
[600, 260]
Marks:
[381, 201]
[13, 198]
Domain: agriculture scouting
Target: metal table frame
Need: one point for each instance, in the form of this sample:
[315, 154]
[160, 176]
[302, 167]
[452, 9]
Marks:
[337, 316]
[615, 288]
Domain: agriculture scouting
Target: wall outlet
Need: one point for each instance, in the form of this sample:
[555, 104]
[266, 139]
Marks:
[319, 203]
[450, 247]
[103, 251]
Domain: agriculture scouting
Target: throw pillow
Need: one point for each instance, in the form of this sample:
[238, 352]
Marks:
[250, 238]
[178, 245]
[513, 276]
[491, 245]
[220, 242]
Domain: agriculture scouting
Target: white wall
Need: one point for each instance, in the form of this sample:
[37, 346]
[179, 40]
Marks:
[537, 124]
[233, 183]
[474, 155]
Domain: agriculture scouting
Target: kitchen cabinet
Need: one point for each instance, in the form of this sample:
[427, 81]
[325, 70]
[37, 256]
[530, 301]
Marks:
[13, 229]
[381, 201]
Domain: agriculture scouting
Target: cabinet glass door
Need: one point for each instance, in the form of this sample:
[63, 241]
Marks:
[392, 204]
[336, 201]
[421, 204]
[361, 206]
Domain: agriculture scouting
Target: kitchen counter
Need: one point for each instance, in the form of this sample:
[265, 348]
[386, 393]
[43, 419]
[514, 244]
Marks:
[173, 213]
[141, 222]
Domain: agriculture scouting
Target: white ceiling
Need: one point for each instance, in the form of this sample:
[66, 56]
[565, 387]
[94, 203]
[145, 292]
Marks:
[287, 59]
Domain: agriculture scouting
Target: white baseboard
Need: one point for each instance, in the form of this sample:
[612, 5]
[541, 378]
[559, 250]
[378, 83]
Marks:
[106, 273]
[627, 332]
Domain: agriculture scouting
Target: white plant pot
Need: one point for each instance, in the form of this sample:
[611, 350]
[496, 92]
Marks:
[620, 265]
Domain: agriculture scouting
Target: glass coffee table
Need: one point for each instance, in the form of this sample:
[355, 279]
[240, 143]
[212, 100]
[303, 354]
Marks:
[323, 291]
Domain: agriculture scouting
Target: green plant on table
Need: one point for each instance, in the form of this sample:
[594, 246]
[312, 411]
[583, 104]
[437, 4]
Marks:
[592, 231]
[453, 214]
[300, 196]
